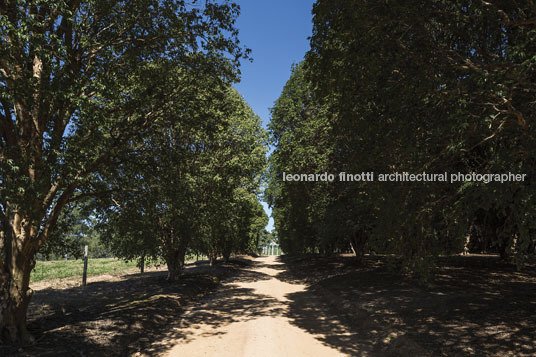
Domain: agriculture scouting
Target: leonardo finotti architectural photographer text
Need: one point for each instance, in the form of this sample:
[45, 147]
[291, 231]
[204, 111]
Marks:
[406, 177]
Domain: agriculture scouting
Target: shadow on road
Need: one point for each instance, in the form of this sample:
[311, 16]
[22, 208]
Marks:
[131, 315]
[478, 306]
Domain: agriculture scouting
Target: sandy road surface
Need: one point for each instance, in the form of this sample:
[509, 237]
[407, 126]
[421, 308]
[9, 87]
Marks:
[247, 318]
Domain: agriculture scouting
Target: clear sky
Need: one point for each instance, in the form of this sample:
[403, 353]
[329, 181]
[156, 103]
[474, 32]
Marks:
[277, 32]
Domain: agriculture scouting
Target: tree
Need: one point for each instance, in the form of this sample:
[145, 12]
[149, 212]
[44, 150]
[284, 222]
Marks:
[436, 83]
[408, 86]
[154, 200]
[74, 90]
[230, 174]
[265, 238]
[301, 133]
[74, 230]
[190, 184]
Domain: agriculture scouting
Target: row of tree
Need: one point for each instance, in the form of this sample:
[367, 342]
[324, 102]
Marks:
[122, 112]
[191, 186]
[410, 86]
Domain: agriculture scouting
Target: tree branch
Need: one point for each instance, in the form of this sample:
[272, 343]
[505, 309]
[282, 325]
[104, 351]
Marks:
[52, 218]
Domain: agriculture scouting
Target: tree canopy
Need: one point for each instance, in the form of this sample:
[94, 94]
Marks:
[411, 87]
[80, 81]
[192, 185]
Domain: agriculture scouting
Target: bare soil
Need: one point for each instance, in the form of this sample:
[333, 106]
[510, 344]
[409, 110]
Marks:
[307, 306]
[477, 306]
[113, 315]
[249, 317]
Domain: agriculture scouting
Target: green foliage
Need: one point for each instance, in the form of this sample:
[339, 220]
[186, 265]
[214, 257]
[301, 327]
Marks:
[75, 229]
[300, 130]
[81, 82]
[265, 238]
[192, 185]
[409, 86]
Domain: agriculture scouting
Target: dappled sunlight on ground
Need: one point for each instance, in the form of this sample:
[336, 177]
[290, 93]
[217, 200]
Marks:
[248, 317]
[303, 306]
[477, 305]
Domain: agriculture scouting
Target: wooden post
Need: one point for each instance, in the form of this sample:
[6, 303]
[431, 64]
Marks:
[84, 275]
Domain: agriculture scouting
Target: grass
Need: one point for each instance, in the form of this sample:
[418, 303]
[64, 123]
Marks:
[55, 269]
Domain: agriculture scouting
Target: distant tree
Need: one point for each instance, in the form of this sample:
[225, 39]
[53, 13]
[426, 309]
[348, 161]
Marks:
[74, 230]
[265, 238]
[300, 131]
[232, 169]
[189, 185]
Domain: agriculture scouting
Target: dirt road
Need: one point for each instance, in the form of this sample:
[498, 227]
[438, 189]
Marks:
[257, 307]
[247, 318]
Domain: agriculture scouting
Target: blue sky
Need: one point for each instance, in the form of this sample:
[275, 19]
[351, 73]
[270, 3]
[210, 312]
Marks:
[277, 32]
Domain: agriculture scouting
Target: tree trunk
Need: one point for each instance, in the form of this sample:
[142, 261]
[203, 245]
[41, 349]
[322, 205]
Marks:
[212, 258]
[226, 256]
[174, 271]
[16, 263]
[357, 242]
[22, 232]
[142, 264]
[466, 244]
[502, 247]
[496, 226]
[175, 264]
[15, 299]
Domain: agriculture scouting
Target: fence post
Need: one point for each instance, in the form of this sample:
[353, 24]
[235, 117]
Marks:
[84, 275]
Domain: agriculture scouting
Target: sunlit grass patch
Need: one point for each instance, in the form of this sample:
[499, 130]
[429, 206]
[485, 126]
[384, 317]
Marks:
[57, 269]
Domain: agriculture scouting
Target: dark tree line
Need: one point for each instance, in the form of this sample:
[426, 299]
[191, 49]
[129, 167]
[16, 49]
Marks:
[410, 86]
